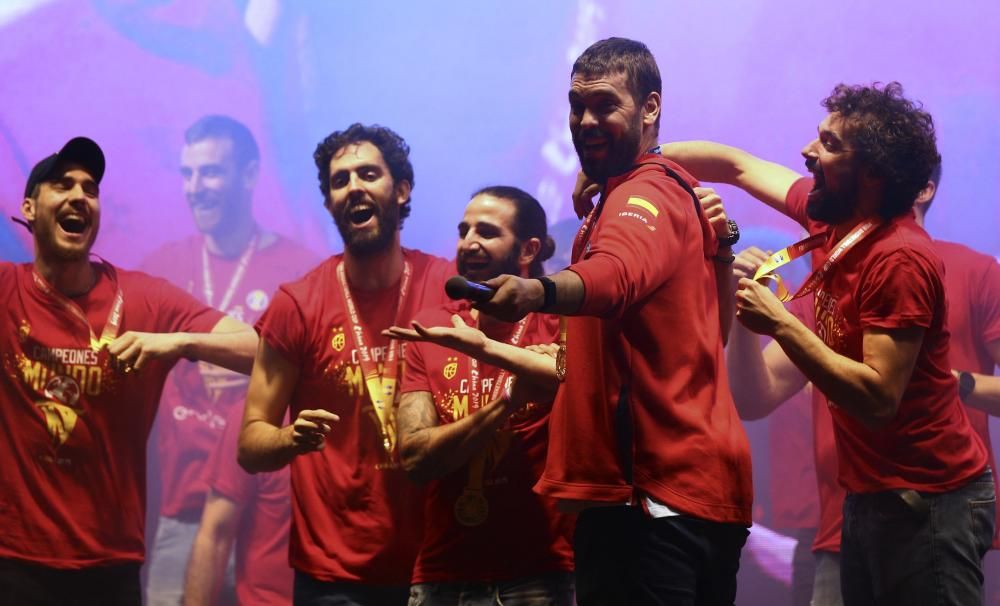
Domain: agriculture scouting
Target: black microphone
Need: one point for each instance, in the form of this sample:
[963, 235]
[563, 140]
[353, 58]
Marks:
[458, 287]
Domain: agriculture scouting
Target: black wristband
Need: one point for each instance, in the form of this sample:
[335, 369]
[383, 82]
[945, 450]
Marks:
[550, 293]
[966, 384]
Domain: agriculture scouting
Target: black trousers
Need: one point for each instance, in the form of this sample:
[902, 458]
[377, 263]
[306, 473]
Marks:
[625, 557]
[309, 591]
[27, 584]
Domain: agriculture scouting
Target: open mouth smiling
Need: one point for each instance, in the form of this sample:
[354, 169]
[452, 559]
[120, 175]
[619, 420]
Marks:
[361, 214]
[73, 223]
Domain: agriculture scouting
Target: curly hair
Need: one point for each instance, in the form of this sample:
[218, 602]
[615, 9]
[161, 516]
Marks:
[529, 222]
[893, 136]
[394, 149]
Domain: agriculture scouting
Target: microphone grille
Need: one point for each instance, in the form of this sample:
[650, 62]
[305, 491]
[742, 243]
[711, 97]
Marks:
[456, 287]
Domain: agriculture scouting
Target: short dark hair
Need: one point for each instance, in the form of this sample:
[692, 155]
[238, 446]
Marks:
[394, 149]
[621, 55]
[893, 136]
[529, 221]
[216, 126]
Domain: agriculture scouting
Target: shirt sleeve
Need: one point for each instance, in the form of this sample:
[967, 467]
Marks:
[415, 375]
[283, 327]
[987, 301]
[635, 245]
[901, 290]
[796, 200]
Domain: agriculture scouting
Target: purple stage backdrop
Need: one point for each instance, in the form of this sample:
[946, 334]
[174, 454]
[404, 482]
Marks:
[478, 89]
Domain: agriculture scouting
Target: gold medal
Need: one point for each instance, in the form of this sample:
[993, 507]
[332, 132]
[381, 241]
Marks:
[380, 384]
[472, 508]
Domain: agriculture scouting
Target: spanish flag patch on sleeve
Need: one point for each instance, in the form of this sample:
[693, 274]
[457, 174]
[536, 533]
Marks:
[643, 204]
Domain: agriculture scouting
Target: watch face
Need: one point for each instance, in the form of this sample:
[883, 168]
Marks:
[966, 384]
[734, 234]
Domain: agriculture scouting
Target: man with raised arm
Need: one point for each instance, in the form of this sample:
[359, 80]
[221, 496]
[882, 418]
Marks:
[762, 379]
[644, 438]
[356, 518]
[919, 513]
[87, 350]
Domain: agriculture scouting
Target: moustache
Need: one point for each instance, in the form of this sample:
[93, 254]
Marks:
[591, 133]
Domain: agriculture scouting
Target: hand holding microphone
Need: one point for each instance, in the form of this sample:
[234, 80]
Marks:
[505, 297]
[458, 287]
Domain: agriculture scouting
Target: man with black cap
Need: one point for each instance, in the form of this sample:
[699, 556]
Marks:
[87, 347]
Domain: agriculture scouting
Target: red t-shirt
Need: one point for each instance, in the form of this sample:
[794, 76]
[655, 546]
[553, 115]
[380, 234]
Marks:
[645, 405]
[894, 279]
[198, 397]
[355, 515]
[263, 577]
[72, 428]
[522, 534]
[972, 282]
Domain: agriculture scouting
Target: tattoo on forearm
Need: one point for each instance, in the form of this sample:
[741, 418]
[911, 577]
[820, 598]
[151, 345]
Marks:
[416, 412]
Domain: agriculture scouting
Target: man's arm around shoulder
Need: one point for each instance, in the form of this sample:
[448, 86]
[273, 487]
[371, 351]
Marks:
[767, 181]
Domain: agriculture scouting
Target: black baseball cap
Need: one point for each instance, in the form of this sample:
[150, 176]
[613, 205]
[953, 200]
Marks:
[78, 150]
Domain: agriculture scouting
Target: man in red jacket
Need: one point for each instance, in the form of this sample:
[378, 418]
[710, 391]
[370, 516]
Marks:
[644, 437]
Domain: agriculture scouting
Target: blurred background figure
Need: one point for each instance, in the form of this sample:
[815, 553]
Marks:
[234, 265]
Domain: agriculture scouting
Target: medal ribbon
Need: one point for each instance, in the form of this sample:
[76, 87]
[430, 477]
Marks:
[234, 282]
[111, 325]
[579, 244]
[766, 272]
[214, 377]
[501, 378]
[381, 386]
[583, 236]
[473, 491]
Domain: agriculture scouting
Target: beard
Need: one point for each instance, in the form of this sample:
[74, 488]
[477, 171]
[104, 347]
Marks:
[49, 246]
[369, 240]
[832, 207]
[620, 156]
[509, 264]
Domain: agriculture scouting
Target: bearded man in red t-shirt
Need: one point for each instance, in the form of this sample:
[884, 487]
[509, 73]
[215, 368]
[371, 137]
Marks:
[87, 348]
[919, 513]
[763, 379]
[644, 439]
[477, 437]
[356, 518]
